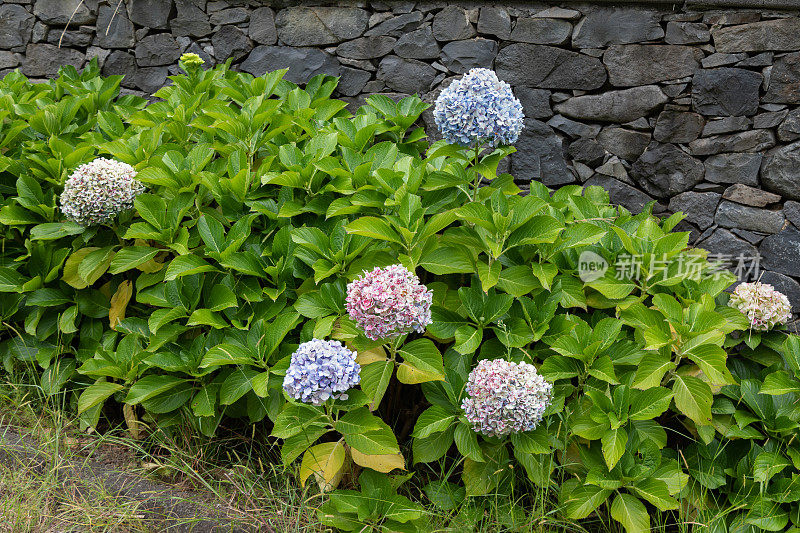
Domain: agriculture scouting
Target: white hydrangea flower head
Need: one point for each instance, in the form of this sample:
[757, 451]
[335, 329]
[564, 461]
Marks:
[98, 191]
[764, 306]
[479, 107]
[505, 397]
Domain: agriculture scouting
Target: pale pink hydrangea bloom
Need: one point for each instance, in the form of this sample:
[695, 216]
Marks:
[764, 306]
[505, 397]
[388, 302]
[98, 191]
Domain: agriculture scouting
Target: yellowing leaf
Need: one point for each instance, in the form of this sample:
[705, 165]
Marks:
[134, 426]
[71, 265]
[151, 267]
[365, 357]
[412, 375]
[119, 302]
[326, 462]
[381, 463]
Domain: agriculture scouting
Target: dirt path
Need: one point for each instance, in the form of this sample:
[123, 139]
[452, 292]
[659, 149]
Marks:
[167, 508]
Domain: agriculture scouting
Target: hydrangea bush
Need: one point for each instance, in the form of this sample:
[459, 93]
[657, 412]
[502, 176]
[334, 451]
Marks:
[274, 218]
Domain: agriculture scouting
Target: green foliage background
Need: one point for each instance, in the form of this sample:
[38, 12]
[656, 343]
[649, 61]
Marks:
[265, 199]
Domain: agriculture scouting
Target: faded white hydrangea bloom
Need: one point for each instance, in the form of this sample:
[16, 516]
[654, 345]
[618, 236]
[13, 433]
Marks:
[764, 306]
[505, 397]
[98, 191]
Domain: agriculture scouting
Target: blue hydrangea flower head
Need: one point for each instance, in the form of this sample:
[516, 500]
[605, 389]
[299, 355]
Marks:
[321, 370]
[479, 108]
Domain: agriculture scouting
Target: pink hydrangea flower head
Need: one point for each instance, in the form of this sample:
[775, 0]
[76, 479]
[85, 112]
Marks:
[98, 191]
[504, 397]
[764, 306]
[388, 302]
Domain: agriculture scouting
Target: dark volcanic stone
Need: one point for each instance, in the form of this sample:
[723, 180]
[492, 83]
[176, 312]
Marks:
[621, 193]
[150, 79]
[114, 29]
[44, 60]
[230, 41]
[786, 285]
[262, 26]
[746, 141]
[63, 12]
[699, 207]
[156, 50]
[744, 194]
[406, 75]
[614, 106]
[726, 91]
[770, 119]
[452, 24]
[678, 127]
[535, 102]
[233, 15]
[772, 35]
[397, 26]
[726, 125]
[665, 170]
[725, 243]
[780, 252]
[418, 44]
[9, 59]
[548, 67]
[150, 13]
[606, 26]
[780, 171]
[587, 151]
[624, 143]
[314, 26]
[789, 129]
[572, 128]
[461, 56]
[784, 83]
[792, 211]
[687, 33]
[68, 39]
[541, 31]
[352, 81]
[635, 64]
[303, 63]
[733, 168]
[366, 47]
[731, 215]
[120, 63]
[495, 20]
[539, 156]
[15, 26]
[190, 20]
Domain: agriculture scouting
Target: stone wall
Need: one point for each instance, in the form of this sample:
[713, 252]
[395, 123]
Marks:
[697, 109]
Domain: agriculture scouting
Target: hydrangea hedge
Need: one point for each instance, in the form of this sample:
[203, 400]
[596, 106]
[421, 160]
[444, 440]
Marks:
[337, 279]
